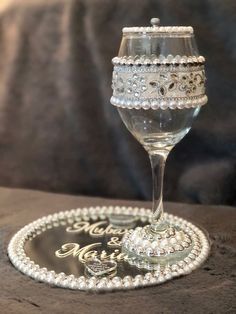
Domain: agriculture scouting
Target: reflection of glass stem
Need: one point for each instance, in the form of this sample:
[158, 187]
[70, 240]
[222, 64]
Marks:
[158, 160]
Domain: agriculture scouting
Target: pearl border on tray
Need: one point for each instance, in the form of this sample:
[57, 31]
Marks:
[23, 263]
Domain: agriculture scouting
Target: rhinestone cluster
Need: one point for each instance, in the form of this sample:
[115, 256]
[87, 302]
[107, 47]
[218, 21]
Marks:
[159, 275]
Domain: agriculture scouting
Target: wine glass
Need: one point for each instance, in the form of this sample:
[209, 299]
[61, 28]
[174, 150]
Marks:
[158, 88]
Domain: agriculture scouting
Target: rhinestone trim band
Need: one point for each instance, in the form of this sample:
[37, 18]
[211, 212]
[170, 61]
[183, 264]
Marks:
[159, 275]
[162, 86]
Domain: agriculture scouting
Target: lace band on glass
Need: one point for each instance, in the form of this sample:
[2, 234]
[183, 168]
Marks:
[158, 82]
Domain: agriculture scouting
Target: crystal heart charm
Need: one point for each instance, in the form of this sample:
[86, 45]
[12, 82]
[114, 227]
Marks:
[97, 267]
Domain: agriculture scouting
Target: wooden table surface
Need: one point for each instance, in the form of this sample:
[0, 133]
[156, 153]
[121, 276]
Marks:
[210, 289]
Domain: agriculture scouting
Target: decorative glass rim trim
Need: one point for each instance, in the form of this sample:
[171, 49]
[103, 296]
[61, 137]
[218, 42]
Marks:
[158, 60]
[23, 263]
[160, 103]
[154, 87]
[158, 29]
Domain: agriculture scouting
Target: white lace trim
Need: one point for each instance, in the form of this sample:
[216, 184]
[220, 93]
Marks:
[158, 87]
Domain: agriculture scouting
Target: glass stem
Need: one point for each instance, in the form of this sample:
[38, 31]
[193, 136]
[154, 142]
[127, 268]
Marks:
[158, 166]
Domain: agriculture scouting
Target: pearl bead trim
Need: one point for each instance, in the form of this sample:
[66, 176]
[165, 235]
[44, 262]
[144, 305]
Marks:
[158, 29]
[172, 103]
[158, 60]
[159, 275]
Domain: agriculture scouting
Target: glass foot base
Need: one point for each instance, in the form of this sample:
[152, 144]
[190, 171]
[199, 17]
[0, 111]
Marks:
[181, 245]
